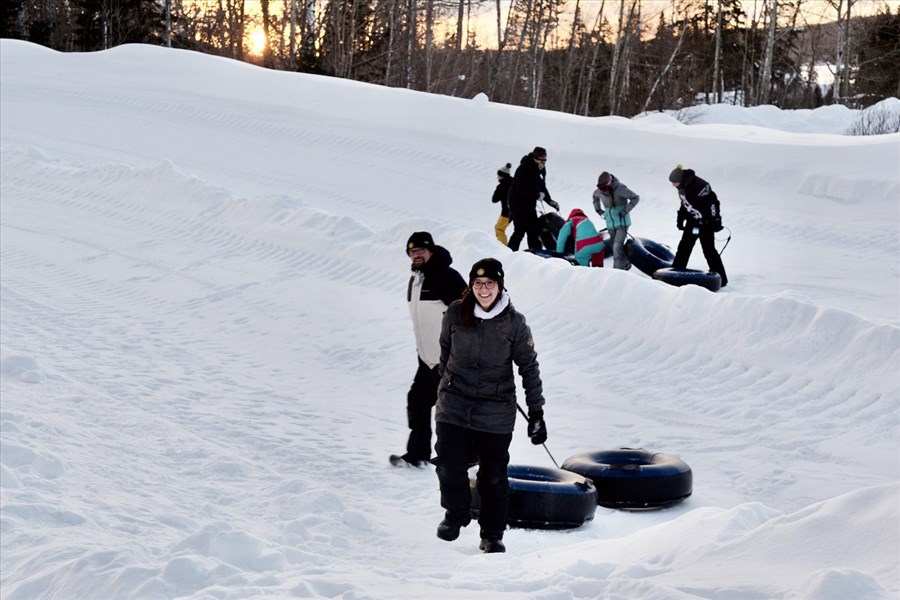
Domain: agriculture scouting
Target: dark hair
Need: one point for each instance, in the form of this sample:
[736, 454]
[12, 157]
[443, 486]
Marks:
[467, 308]
[604, 182]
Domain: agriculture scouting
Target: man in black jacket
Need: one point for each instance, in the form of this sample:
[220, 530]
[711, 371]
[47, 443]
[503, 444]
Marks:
[434, 284]
[699, 216]
[529, 187]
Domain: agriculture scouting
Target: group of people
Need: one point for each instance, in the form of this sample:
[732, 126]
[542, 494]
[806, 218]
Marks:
[699, 215]
[518, 195]
[468, 337]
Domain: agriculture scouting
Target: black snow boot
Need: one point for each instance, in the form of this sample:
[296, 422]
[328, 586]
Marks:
[489, 545]
[405, 461]
[448, 529]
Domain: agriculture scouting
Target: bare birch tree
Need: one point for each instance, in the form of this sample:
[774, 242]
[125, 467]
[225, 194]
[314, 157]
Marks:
[717, 69]
[429, 42]
[502, 37]
[618, 69]
[411, 30]
[570, 56]
[842, 51]
[591, 70]
[662, 74]
[267, 47]
[765, 76]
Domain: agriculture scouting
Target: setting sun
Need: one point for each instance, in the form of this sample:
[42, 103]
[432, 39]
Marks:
[258, 42]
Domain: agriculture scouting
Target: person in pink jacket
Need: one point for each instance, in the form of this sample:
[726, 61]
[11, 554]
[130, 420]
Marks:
[588, 246]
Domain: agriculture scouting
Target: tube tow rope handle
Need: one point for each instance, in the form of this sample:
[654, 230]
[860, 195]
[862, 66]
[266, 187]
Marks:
[544, 444]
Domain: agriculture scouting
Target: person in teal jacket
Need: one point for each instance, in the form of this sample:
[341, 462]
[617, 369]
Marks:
[614, 201]
[588, 243]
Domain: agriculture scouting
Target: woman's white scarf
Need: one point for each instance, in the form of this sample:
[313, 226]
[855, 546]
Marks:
[500, 305]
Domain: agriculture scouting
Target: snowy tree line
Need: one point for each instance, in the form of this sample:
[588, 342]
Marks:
[625, 58]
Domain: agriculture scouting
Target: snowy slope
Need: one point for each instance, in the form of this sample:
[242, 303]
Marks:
[206, 351]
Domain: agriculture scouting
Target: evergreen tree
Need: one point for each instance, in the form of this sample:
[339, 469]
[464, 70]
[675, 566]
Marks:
[11, 17]
[878, 76]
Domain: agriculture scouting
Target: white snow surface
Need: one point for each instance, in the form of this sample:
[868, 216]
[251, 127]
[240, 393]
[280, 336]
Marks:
[206, 347]
[835, 118]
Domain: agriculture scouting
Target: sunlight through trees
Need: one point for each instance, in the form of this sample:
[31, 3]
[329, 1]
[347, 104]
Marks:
[593, 58]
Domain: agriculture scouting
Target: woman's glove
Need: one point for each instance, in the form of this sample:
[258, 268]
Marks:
[537, 429]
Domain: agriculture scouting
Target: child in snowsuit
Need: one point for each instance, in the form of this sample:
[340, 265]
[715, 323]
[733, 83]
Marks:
[588, 243]
[501, 193]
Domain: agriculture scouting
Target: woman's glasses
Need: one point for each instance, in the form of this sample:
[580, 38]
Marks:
[488, 285]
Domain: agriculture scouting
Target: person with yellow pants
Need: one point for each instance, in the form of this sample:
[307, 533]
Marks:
[501, 193]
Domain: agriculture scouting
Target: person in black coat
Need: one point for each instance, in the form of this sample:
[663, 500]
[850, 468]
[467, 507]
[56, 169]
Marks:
[699, 217]
[529, 187]
[501, 196]
[433, 286]
[482, 337]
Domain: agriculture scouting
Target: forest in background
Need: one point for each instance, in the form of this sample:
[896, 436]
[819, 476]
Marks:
[620, 57]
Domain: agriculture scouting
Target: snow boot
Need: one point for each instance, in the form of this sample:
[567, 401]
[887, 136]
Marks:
[490, 545]
[403, 461]
[448, 529]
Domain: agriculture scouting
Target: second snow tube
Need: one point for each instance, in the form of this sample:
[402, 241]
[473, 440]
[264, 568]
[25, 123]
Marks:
[647, 255]
[570, 258]
[634, 478]
[678, 277]
[545, 498]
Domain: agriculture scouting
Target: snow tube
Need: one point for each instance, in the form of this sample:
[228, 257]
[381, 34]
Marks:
[678, 277]
[552, 254]
[545, 498]
[647, 255]
[634, 478]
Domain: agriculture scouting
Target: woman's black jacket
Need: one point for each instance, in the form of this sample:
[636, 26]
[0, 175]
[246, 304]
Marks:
[478, 389]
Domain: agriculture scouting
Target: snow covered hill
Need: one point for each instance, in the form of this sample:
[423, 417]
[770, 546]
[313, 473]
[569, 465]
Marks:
[206, 348]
